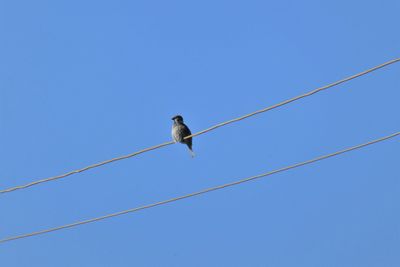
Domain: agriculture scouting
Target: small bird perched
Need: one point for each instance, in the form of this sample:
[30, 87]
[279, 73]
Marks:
[179, 131]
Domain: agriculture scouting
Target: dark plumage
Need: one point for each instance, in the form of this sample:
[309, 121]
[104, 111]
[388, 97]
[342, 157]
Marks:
[179, 131]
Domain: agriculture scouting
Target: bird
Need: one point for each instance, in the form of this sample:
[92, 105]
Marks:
[180, 131]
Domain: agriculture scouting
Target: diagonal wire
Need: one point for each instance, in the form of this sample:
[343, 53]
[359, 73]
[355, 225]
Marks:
[201, 132]
[200, 192]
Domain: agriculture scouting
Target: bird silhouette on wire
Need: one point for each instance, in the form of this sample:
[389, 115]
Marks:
[180, 131]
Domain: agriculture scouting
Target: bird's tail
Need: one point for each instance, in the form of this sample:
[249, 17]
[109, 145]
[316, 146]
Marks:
[192, 153]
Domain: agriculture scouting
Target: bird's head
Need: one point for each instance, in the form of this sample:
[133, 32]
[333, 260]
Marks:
[177, 118]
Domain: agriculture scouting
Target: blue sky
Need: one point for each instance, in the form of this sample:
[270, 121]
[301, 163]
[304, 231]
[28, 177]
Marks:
[85, 81]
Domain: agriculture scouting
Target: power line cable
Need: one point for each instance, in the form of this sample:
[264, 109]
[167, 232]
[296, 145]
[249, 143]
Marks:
[201, 132]
[200, 192]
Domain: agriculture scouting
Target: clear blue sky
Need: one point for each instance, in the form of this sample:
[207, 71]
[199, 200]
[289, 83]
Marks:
[85, 81]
